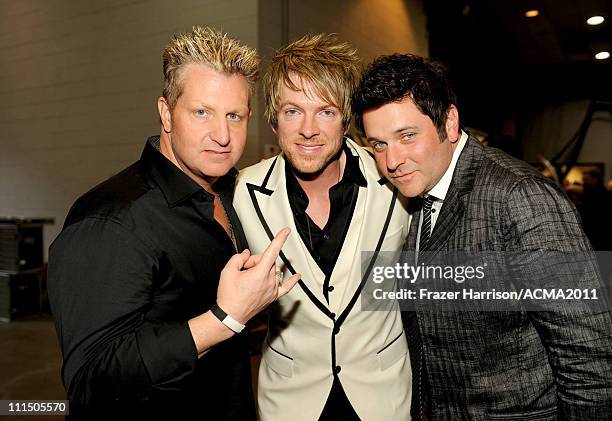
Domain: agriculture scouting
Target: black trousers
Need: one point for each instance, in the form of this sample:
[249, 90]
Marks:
[338, 407]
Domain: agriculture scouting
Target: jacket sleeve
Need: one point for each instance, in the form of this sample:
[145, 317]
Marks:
[578, 339]
[101, 283]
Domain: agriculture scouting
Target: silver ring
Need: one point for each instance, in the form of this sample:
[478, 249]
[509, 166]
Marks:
[279, 277]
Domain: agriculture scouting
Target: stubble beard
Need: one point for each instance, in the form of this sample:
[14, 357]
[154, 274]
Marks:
[310, 166]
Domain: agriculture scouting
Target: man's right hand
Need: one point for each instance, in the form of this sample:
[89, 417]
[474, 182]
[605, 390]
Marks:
[248, 284]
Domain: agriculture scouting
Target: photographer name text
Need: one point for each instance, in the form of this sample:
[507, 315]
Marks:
[467, 294]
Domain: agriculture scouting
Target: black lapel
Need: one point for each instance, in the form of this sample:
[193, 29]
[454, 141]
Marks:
[381, 239]
[252, 188]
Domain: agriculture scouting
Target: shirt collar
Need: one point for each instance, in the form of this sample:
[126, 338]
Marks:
[175, 185]
[441, 188]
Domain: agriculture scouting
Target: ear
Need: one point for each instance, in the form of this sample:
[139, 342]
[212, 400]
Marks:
[165, 116]
[452, 124]
[274, 129]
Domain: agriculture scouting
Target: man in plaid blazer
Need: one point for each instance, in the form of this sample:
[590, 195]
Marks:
[535, 365]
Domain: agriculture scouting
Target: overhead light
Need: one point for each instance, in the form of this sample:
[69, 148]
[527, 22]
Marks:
[532, 13]
[602, 55]
[595, 20]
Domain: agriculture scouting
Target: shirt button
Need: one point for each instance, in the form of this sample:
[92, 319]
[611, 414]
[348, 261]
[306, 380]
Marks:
[325, 237]
[333, 315]
[433, 210]
[336, 330]
[330, 288]
[337, 369]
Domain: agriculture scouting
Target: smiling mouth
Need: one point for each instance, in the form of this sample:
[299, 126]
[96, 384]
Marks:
[309, 148]
[403, 176]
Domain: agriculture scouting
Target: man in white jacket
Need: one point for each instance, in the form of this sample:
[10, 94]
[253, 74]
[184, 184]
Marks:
[324, 358]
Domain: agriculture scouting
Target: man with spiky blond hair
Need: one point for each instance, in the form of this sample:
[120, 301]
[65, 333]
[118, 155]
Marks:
[147, 287]
[324, 358]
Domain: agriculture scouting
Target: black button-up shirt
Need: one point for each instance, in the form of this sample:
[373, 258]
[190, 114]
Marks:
[139, 255]
[325, 244]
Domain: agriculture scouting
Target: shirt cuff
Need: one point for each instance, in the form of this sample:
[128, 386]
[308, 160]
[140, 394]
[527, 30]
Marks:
[168, 353]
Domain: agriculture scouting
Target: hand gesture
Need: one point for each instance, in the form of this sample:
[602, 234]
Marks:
[248, 284]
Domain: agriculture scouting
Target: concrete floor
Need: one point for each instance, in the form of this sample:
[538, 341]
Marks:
[30, 362]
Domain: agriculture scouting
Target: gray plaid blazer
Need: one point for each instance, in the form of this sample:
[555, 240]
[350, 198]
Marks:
[510, 365]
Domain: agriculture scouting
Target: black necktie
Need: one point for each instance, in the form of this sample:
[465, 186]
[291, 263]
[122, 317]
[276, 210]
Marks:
[411, 325]
[426, 226]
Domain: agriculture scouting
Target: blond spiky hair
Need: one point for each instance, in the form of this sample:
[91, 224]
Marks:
[329, 66]
[211, 48]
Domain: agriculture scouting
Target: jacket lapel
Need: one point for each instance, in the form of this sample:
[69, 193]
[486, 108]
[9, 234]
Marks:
[452, 212]
[362, 234]
[367, 232]
[453, 208]
[271, 204]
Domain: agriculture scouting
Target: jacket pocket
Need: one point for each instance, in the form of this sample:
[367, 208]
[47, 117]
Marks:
[278, 362]
[392, 351]
[542, 415]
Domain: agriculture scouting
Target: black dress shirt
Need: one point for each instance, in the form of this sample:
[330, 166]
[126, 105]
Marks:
[324, 244]
[139, 255]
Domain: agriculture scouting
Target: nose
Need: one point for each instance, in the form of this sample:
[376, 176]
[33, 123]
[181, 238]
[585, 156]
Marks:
[309, 127]
[220, 133]
[393, 157]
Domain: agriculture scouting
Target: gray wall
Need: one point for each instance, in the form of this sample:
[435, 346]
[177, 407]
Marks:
[374, 27]
[79, 79]
[79, 82]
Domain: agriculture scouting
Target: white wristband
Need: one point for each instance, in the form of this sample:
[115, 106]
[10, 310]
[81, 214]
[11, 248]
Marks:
[226, 319]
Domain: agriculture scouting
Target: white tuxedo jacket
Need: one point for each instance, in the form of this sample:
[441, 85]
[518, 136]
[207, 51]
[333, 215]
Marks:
[309, 339]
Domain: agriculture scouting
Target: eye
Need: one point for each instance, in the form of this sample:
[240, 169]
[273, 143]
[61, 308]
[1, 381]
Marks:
[379, 146]
[408, 136]
[234, 117]
[201, 113]
[291, 112]
[329, 113]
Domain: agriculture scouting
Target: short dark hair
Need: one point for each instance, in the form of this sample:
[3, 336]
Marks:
[395, 77]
